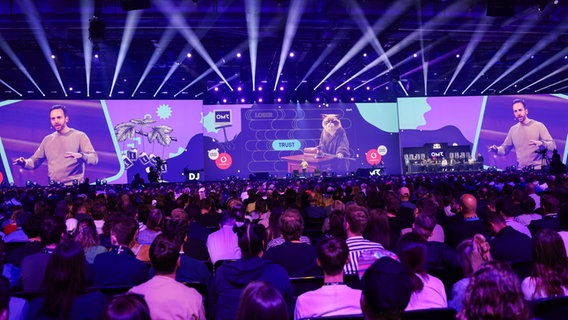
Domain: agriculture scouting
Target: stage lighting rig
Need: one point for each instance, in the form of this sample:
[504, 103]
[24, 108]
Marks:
[97, 30]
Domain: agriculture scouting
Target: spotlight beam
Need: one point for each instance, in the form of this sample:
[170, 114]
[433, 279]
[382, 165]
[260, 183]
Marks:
[34, 21]
[6, 47]
[561, 88]
[130, 27]
[166, 38]
[551, 85]
[545, 64]
[541, 44]
[177, 19]
[87, 11]
[381, 24]
[358, 16]
[468, 52]
[294, 15]
[505, 47]
[174, 67]
[403, 88]
[408, 40]
[252, 17]
[555, 72]
[10, 87]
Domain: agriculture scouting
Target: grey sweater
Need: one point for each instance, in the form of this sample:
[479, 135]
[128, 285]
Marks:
[519, 136]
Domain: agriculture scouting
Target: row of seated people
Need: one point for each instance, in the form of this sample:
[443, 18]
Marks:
[358, 219]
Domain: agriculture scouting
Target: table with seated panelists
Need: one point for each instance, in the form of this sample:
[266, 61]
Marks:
[437, 167]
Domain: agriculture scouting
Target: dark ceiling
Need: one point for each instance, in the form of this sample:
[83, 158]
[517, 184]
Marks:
[536, 36]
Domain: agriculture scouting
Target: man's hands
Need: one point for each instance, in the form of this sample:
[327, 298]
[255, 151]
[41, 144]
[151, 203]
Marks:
[493, 148]
[19, 161]
[537, 143]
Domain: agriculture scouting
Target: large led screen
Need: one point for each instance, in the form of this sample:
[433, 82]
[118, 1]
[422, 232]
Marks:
[273, 140]
[470, 125]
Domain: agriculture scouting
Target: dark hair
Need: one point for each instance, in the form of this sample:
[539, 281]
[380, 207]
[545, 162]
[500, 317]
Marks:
[251, 239]
[291, 224]
[424, 225]
[32, 226]
[155, 220]
[550, 266]
[562, 217]
[261, 301]
[124, 229]
[378, 227]
[64, 279]
[521, 101]
[177, 228]
[357, 218]
[127, 307]
[413, 254]
[494, 292]
[549, 203]
[332, 255]
[52, 228]
[164, 253]
[58, 106]
[86, 233]
[99, 212]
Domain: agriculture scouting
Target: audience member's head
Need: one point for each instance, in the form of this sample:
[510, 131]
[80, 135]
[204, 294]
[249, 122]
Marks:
[261, 301]
[336, 224]
[413, 254]
[123, 230]
[64, 279]
[251, 239]
[155, 220]
[291, 225]
[494, 292]
[473, 253]
[549, 203]
[164, 253]
[86, 233]
[550, 266]
[386, 289]
[52, 230]
[495, 222]
[378, 227]
[179, 214]
[332, 255]
[424, 225]
[356, 219]
[127, 307]
[468, 205]
[32, 226]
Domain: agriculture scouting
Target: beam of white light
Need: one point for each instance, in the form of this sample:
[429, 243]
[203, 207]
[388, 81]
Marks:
[87, 11]
[425, 65]
[560, 89]
[478, 34]
[399, 7]
[557, 71]
[424, 62]
[8, 50]
[541, 44]
[403, 62]
[408, 40]
[294, 14]
[177, 19]
[164, 41]
[10, 87]
[505, 47]
[403, 88]
[166, 38]
[252, 16]
[545, 64]
[358, 16]
[132, 20]
[34, 21]
[182, 55]
[229, 55]
[551, 85]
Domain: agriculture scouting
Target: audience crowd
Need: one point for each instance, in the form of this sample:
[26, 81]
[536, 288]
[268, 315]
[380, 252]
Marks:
[485, 244]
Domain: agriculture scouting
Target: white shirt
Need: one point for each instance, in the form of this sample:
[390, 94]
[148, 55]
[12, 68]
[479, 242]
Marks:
[223, 244]
[511, 222]
[433, 295]
[529, 286]
[331, 300]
